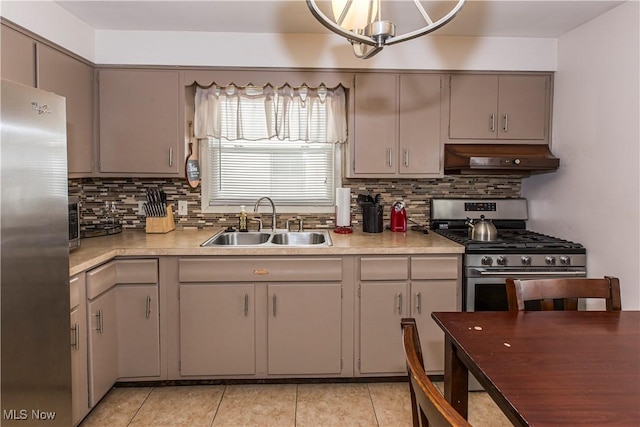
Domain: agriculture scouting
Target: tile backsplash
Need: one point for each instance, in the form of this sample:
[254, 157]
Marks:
[416, 193]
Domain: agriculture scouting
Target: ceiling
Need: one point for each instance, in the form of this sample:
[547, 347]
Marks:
[505, 18]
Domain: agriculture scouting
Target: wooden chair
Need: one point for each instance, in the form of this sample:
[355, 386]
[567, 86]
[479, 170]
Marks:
[566, 290]
[427, 404]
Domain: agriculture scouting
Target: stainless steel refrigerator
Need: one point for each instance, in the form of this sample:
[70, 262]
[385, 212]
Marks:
[34, 259]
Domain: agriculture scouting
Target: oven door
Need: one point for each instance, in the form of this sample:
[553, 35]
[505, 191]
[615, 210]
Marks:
[485, 289]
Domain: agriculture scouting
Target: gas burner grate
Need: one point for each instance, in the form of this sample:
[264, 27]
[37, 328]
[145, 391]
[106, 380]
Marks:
[512, 240]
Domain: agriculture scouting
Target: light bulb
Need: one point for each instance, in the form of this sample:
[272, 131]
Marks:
[360, 14]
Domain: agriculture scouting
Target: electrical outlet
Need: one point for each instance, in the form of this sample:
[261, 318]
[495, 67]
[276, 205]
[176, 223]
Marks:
[182, 208]
[141, 209]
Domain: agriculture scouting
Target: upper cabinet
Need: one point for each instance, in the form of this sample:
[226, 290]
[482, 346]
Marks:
[18, 57]
[498, 108]
[35, 64]
[73, 79]
[396, 129]
[140, 132]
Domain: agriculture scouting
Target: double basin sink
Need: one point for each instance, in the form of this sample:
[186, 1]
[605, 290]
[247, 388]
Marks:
[275, 239]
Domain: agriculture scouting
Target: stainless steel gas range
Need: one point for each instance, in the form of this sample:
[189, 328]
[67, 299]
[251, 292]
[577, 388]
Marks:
[516, 252]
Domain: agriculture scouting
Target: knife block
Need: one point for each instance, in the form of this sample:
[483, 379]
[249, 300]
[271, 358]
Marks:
[162, 224]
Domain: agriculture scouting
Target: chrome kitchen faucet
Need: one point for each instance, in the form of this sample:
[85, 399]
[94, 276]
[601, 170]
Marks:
[273, 207]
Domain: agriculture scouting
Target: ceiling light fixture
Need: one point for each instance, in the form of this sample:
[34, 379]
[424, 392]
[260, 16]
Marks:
[360, 22]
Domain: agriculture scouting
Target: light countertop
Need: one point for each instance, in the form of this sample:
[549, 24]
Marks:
[97, 250]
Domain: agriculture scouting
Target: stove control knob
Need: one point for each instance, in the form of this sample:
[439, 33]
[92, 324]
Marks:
[486, 260]
[525, 260]
[565, 260]
[502, 260]
[550, 260]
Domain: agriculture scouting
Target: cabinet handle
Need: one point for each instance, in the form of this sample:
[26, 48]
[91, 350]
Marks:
[148, 309]
[389, 157]
[246, 305]
[493, 123]
[399, 302]
[76, 336]
[419, 302]
[274, 306]
[100, 326]
[505, 122]
[406, 158]
[171, 156]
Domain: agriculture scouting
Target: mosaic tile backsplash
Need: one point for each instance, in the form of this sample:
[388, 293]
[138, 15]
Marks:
[416, 193]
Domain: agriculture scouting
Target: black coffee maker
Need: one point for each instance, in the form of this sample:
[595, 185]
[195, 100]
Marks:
[371, 213]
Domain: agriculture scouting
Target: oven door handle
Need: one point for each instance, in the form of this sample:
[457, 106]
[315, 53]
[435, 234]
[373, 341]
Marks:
[530, 273]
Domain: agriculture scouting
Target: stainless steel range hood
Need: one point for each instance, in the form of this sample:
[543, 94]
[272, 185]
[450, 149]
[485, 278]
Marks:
[501, 159]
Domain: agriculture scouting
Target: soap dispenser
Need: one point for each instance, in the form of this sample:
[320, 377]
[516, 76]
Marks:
[242, 220]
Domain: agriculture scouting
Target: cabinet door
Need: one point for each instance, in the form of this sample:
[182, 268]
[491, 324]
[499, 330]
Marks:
[427, 297]
[139, 122]
[138, 331]
[103, 345]
[18, 57]
[523, 107]
[473, 110]
[217, 329]
[382, 306]
[79, 375]
[375, 134]
[304, 329]
[73, 79]
[420, 144]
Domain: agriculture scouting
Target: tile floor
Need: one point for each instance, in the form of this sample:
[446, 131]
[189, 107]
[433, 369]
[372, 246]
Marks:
[336, 404]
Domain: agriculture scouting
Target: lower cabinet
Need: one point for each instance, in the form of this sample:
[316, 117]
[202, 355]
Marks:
[123, 318]
[260, 317]
[391, 288]
[103, 345]
[217, 329]
[79, 375]
[138, 325]
[304, 329]
[382, 305]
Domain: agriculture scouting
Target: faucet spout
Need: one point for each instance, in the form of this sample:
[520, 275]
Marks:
[273, 210]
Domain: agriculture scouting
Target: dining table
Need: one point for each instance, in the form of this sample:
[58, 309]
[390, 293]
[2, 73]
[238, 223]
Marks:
[547, 368]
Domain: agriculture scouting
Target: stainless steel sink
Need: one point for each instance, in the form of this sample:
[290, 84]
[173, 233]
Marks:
[237, 239]
[302, 238]
[273, 239]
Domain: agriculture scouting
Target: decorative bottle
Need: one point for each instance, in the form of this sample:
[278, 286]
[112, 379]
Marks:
[242, 220]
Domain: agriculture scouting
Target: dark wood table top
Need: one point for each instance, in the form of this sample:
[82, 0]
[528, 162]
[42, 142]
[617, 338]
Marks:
[548, 368]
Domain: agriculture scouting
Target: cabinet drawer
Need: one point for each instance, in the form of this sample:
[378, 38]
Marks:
[101, 279]
[259, 270]
[138, 271]
[384, 268]
[434, 268]
[74, 292]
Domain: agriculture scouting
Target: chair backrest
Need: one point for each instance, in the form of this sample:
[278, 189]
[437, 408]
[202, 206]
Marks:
[565, 290]
[427, 404]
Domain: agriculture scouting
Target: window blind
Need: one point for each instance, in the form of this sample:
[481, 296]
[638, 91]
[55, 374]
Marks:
[291, 173]
[258, 143]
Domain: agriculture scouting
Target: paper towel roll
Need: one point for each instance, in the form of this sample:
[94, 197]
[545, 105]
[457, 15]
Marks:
[343, 207]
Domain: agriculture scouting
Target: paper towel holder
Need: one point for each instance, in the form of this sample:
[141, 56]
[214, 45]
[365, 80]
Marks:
[343, 229]
[343, 211]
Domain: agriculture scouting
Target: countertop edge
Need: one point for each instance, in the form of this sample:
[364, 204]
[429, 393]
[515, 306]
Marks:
[96, 251]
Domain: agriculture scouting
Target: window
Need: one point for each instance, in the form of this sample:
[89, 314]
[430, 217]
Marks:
[291, 173]
[277, 143]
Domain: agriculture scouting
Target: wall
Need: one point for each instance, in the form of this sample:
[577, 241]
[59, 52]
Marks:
[594, 197]
[416, 193]
[322, 51]
[54, 23]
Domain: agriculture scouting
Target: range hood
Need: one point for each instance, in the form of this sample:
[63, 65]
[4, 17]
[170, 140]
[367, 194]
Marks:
[501, 159]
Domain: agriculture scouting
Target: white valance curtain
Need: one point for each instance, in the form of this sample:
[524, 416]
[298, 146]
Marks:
[254, 113]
